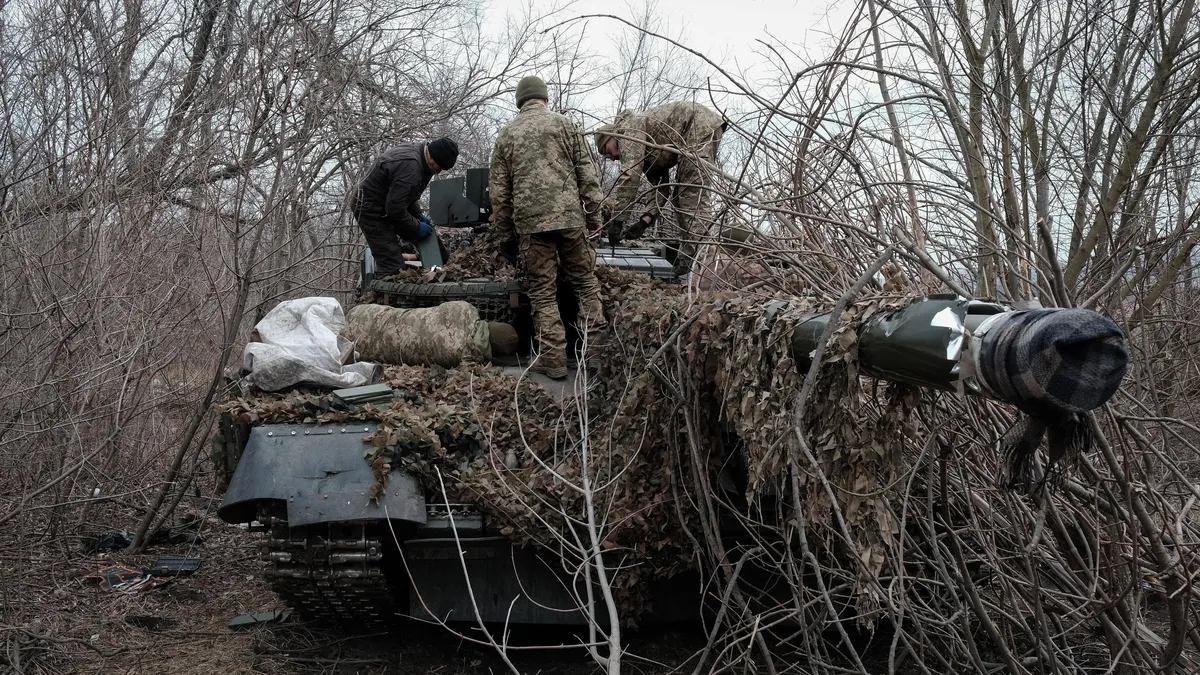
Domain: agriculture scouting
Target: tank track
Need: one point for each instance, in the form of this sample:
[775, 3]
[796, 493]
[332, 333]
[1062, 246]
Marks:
[331, 573]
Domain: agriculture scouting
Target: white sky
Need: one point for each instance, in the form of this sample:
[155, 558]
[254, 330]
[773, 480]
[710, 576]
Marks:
[726, 30]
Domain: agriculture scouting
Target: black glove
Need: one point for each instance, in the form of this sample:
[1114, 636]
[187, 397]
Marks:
[640, 226]
[510, 251]
[613, 230]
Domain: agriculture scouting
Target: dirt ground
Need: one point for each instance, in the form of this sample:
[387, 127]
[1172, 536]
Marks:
[55, 620]
[64, 622]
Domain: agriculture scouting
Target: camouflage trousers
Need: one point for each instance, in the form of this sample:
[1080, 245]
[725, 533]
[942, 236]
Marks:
[541, 256]
[691, 198]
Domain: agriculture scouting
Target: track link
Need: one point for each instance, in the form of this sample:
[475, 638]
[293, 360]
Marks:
[330, 573]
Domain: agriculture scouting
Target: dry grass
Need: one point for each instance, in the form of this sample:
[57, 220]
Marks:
[85, 628]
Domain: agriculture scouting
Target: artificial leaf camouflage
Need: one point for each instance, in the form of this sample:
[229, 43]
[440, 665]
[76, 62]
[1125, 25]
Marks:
[471, 425]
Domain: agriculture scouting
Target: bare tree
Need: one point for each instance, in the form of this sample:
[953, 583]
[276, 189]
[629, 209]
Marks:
[647, 72]
[153, 208]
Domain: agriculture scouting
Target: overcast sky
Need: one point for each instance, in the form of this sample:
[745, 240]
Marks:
[726, 30]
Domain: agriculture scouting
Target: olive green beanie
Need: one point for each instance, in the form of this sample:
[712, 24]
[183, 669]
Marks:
[602, 135]
[531, 86]
[605, 131]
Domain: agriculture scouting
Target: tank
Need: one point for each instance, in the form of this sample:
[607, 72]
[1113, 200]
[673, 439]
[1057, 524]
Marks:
[327, 552]
[338, 557]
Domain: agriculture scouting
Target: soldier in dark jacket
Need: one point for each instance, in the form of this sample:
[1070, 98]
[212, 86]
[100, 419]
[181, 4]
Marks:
[385, 203]
[545, 194]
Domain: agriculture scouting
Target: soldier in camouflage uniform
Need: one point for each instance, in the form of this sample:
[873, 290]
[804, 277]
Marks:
[544, 190]
[694, 134]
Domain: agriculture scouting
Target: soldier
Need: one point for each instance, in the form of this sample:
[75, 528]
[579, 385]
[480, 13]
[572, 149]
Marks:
[385, 204]
[693, 133]
[543, 185]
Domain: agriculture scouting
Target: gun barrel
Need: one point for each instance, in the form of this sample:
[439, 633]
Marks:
[954, 344]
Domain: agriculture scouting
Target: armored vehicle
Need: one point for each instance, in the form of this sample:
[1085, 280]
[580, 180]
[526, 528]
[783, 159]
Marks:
[328, 552]
[336, 556]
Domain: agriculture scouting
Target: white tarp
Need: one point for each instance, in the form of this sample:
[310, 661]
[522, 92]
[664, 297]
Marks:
[299, 342]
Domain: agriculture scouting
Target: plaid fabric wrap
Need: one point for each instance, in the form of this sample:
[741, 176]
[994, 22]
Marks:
[1053, 365]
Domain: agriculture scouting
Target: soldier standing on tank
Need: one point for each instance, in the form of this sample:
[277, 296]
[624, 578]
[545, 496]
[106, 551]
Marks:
[545, 199]
[386, 201]
[692, 133]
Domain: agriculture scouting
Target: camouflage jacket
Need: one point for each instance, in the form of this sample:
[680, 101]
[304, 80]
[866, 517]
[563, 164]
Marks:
[684, 124]
[542, 176]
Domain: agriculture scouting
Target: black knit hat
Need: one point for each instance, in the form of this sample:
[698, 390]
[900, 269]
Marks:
[444, 151]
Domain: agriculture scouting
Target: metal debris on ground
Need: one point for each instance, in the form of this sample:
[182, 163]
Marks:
[174, 566]
[118, 540]
[109, 541]
[248, 621]
[125, 580]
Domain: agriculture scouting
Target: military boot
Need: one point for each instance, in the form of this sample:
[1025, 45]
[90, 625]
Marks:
[684, 257]
[549, 369]
[551, 360]
[597, 340]
[595, 356]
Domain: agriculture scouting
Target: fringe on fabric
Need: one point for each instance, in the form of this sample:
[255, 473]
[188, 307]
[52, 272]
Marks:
[1054, 365]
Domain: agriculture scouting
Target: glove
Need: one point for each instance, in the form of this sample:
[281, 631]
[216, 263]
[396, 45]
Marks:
[425, 228]
[510, 251]
[639, 228]
[613, 230]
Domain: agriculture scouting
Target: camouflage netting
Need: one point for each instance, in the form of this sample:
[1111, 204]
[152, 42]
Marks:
[460, 426]
[734, 356]
[469, 424]
[743, 351]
